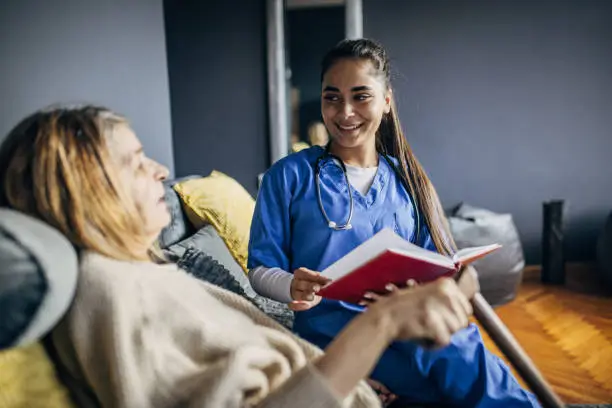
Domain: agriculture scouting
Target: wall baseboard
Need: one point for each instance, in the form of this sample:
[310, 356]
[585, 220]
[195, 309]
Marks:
[582, 277]
[571, 268]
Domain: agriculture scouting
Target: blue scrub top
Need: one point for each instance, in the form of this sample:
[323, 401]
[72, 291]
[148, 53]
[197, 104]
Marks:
[289, 231]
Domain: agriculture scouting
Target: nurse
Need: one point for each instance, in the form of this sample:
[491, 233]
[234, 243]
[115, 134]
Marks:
[317, 205]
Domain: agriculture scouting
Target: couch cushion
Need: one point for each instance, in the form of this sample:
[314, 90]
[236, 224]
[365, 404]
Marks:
[28, 379]
[38, 276]
[179, 227]
[222, 202]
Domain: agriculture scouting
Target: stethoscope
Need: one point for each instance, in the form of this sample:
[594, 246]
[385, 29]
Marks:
[347, 225]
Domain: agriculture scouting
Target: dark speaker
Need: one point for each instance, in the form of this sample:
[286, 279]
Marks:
[553, 260]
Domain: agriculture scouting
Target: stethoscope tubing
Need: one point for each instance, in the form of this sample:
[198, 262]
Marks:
[347, 225]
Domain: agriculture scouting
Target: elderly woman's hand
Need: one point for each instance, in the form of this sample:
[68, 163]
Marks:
[437, 309]
[371, 297]
[430, 311]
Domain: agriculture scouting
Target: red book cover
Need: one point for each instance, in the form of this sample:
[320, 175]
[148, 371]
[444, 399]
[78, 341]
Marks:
[387, 258]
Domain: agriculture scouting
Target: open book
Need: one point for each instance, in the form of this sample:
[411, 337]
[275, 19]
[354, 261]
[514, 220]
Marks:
[388, 258]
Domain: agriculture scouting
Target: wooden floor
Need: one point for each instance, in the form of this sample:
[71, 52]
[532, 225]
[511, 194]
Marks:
[567, 332]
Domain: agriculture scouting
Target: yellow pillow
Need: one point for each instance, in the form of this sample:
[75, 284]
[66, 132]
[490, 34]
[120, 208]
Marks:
[27, 379]
[221, 201]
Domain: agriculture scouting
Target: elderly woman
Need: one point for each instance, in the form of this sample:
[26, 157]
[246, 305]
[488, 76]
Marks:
[142, 334]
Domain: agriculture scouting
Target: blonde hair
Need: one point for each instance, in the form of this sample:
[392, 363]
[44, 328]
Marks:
[56, 166]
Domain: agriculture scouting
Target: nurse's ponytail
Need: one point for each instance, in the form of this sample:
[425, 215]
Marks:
[390, 140]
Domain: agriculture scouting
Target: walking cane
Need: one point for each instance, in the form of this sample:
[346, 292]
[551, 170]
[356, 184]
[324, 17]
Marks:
[509, 346]
[501, 336]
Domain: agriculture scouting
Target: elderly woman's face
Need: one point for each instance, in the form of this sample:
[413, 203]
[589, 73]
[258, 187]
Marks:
[142, 176]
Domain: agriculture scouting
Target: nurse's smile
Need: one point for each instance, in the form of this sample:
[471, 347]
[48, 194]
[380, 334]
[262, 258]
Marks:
[349, 130]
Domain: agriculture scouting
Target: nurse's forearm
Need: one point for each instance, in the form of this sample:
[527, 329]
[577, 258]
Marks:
[273, 283]
[352, 355]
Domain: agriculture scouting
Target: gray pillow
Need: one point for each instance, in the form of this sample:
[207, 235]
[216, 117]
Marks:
[207, 240]
[206, 256]
[179, 227]
[38, 276]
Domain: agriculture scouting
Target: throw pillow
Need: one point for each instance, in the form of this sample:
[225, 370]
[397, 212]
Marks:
[208, 241]
[201, 265]
[221, 201]
[179, 227]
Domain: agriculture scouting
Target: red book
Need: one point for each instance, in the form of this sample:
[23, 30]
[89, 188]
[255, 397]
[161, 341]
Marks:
[388, 258]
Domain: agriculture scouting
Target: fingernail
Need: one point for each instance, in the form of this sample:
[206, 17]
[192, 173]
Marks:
[361, 303]
[368, 295]
[316, 288]
[390, 287]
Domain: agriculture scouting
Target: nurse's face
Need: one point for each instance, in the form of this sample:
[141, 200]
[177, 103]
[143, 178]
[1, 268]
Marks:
[354, 99]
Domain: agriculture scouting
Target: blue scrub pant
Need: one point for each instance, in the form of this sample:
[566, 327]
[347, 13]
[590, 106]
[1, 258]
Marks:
[463, 374]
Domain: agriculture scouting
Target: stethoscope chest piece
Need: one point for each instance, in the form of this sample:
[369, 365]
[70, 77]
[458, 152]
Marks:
[335, 226]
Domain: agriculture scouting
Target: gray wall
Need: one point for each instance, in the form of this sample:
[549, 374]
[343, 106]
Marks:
[108, 52]
[217, 68]
[311, 32]
[507, 104]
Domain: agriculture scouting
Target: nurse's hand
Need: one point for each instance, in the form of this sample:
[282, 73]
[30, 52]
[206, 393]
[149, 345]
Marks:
[304, 288]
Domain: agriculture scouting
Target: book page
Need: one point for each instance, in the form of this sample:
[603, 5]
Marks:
[384, 240]
[468, 255]
[427, 256]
